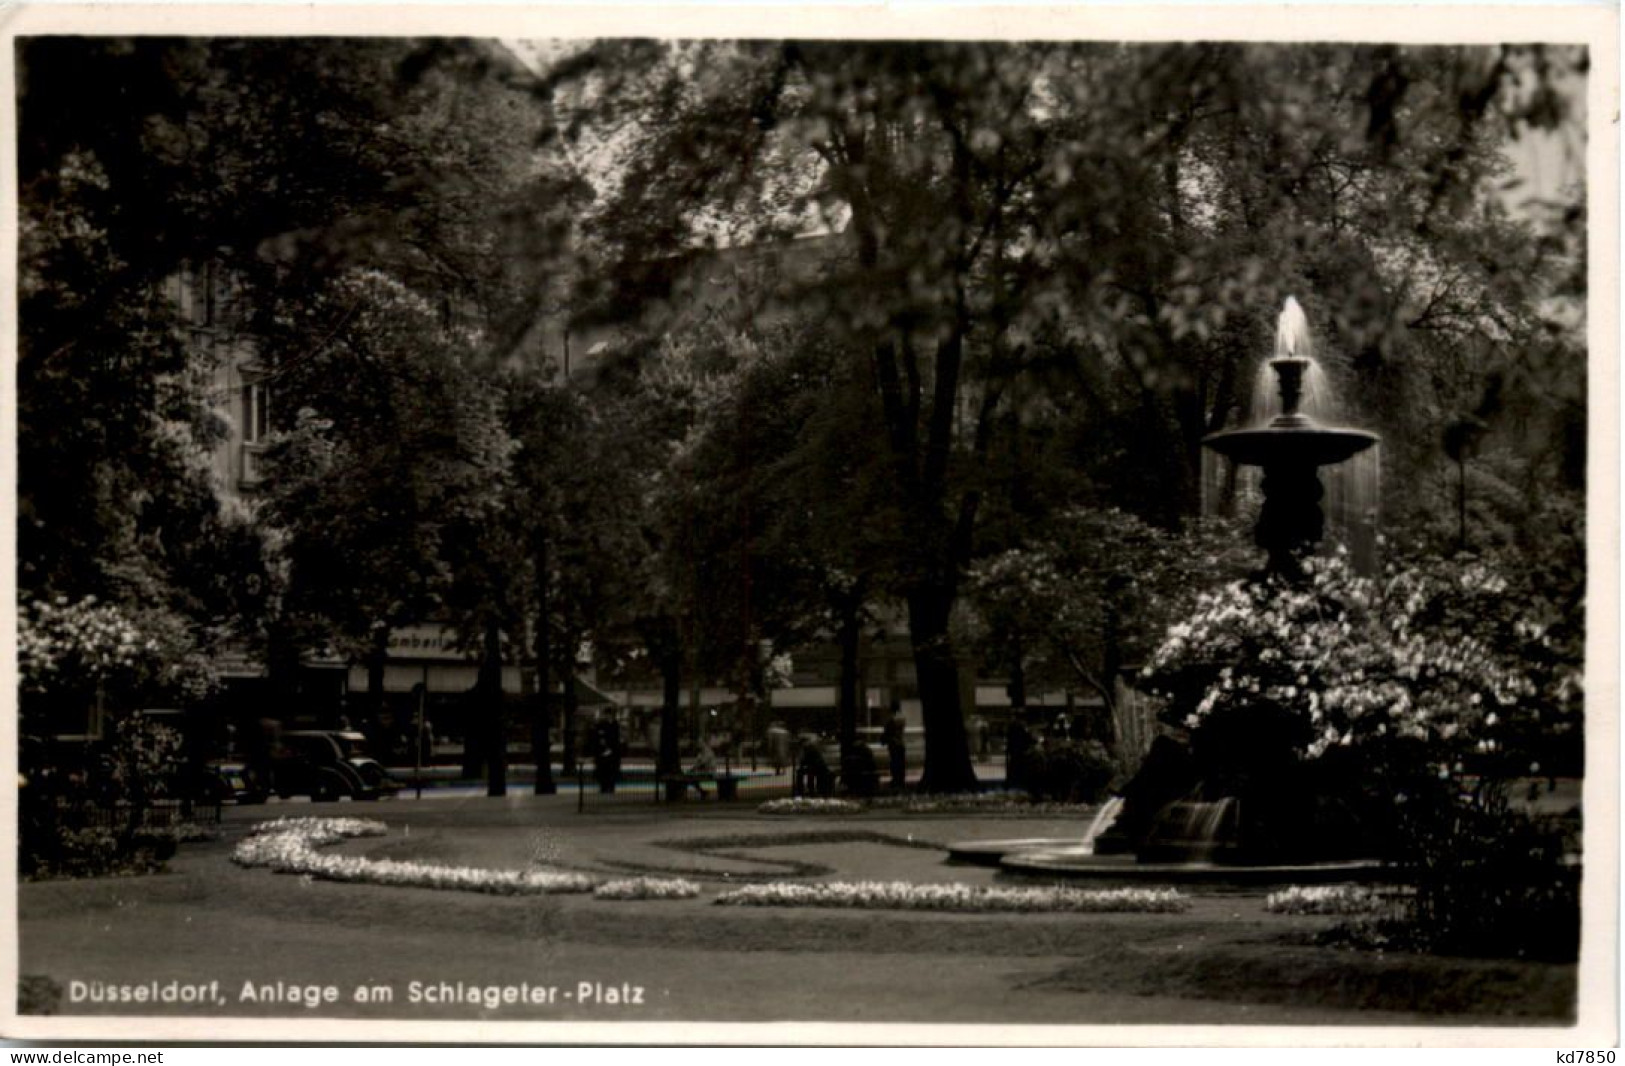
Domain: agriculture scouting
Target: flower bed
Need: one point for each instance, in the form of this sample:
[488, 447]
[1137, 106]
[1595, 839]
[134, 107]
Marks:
[289, 845]
[646, 888]
[810, 805]
[975, 803]
[1324, 899]
[902, 895]
[925, 803]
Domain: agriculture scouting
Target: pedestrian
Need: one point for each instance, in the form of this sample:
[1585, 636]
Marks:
[778, 746]
[896, 734]
[607, 752]
[704, 765]
[1018, 746]
[813, 776]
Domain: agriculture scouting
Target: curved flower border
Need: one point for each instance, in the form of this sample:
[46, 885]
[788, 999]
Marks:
[1000, 802]
[809, 805]
[902, 895]
[646, 888]
[288, 845]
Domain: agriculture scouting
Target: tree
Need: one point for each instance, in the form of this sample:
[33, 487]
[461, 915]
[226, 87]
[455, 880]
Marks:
[1093, 592]
[800, 532]
[388, 269]
[646, 426]
[388, 486]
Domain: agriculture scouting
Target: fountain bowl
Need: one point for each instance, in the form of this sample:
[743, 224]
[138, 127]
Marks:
[1291, 439]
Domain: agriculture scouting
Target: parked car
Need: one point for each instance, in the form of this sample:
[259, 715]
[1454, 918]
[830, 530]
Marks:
[226, 782]
[328, 765]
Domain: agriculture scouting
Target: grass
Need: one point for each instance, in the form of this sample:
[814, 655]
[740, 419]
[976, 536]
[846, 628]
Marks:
[737, 847]
[1225, 960]
[1269, 972]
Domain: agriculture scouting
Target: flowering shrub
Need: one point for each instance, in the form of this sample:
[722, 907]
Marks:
[78, 646]
[646, 888]
[1324, 899]
[902, 895]
[92, 641]
[1435, 652]
[180, 833]
[1422, 694]
[810, 805]
[1097, 591]
[288, 845]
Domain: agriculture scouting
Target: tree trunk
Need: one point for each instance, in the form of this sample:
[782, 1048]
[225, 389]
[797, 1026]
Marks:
[671, 678]
[541, 736]
[377, 655]
[572, 704]
[1017, 688]
[490, 712]
[947, 751]
[849, 634]
[1111, 661]
[541, 740]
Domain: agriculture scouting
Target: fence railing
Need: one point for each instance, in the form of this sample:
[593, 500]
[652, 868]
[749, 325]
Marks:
[160, 814]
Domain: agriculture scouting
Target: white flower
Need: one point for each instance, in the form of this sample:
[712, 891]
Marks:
[901, 895]
[288, 845]
[1323, 899]
[646, 888]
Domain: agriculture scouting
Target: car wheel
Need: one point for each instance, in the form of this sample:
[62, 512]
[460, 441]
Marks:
[329, 786]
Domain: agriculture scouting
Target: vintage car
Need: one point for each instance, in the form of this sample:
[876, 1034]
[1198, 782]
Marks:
[226, 781]
[328, 765]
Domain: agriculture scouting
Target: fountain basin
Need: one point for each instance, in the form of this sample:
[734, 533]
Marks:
[990, 852]
[1127, 869]
[1302, 444]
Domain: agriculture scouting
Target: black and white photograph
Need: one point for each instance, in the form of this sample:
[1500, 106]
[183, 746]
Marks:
[624, 529]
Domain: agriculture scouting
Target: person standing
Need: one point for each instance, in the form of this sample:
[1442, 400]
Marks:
[1018, 747]
[704, 765]
[607, 752]
[778, 746]
[896, 734]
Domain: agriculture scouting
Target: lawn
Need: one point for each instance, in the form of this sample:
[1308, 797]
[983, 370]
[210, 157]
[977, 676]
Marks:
[1224, 960]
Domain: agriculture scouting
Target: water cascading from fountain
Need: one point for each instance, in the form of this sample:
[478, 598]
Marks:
[1102, 820]
[1194, 830]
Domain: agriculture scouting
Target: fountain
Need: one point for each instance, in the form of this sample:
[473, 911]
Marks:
[1290, 449]
[1239, 802]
